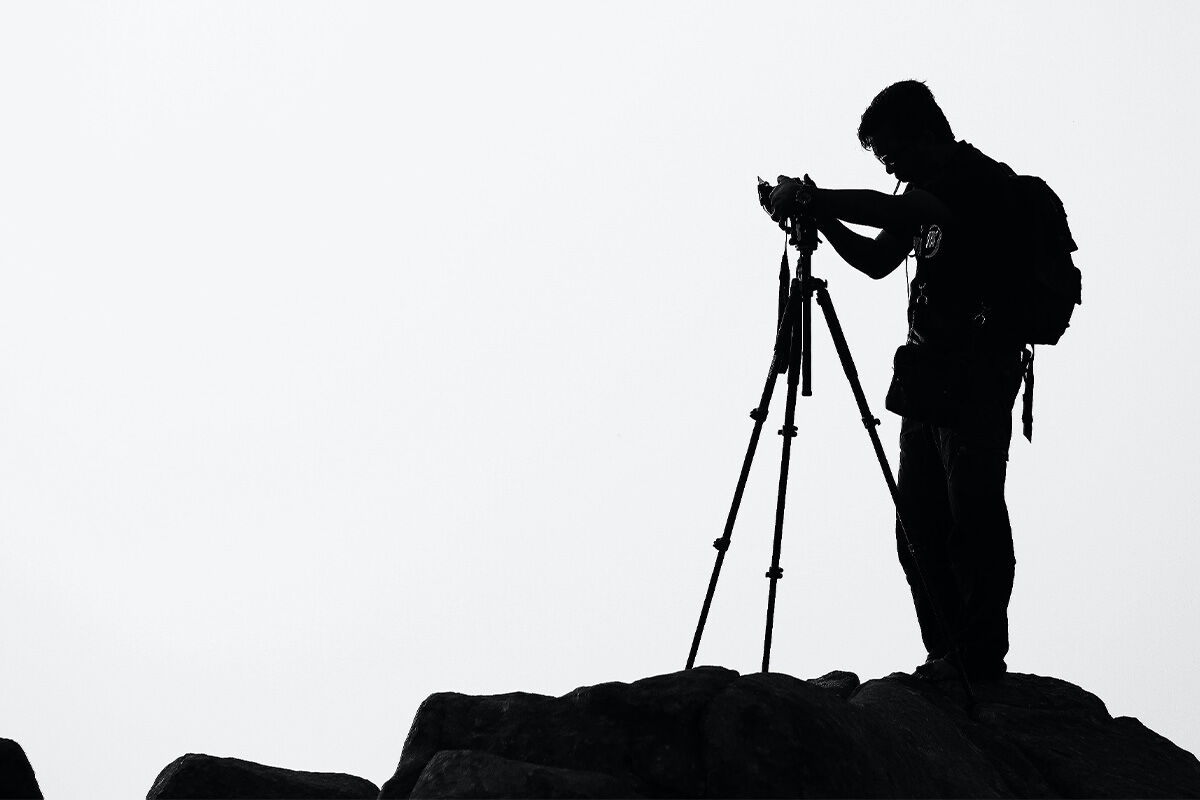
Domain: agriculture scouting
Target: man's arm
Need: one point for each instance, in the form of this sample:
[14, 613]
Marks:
[875, 258]
[897, 217]
[905, 212]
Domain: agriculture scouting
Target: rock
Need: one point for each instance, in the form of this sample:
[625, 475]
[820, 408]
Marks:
[839, 682]
[1067, 735]
[196, 776]
[17, 781]
[646, 734]
[708, 732]
[772, 735]
[469, 773]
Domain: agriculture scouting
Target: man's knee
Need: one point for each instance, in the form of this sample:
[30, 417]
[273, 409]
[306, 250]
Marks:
[975, 481]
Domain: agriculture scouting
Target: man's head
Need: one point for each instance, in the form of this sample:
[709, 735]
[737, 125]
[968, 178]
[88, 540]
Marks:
[906, 130]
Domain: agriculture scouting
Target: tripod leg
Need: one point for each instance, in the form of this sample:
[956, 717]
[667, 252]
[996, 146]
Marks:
[806, 328]
[871, 424]
[843, 351]
[788, 432]
[759, 415]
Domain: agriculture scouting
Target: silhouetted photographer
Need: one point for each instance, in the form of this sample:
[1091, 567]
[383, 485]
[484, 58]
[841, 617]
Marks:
[993, 274]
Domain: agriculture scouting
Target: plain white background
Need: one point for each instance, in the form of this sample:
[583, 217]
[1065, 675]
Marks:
[353, 352]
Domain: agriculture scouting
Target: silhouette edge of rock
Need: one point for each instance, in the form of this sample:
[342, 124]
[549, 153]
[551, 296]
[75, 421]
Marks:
[1035, 736]
[197, 775]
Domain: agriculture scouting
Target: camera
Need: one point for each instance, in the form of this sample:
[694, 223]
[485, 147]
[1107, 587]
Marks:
[796, 206]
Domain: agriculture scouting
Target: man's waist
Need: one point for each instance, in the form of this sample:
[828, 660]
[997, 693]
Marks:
[974, 345]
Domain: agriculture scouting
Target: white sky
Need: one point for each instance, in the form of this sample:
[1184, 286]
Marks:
[354, 352]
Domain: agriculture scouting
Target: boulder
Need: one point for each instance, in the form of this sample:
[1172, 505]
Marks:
[17, 781]
[709, 732]
[472, 773]
[647, 734]
[201, 777]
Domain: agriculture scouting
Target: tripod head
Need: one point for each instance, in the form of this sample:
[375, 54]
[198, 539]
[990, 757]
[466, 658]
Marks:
[795, 213]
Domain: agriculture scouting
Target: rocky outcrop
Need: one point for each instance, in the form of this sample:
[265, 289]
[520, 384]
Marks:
[17, 781]
[709, 732]
[471, 773]
[196, 777]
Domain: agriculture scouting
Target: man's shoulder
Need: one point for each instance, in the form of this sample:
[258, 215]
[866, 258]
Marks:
[972, 179]
[971, 162]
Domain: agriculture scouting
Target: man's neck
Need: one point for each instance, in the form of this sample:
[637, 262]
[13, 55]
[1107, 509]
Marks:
[939, 157]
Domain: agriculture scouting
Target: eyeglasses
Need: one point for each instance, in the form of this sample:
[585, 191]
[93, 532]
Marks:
[888, 160]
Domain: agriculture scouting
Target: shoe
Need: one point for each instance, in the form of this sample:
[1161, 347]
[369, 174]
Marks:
[937, 669]
[943, 669]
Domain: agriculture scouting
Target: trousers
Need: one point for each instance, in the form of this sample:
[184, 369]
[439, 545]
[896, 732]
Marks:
[952, 513]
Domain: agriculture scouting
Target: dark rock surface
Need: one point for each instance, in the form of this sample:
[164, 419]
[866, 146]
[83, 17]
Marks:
[647, 734]
[472, 773]
[17, 781]
[196, 776]
[709, 732]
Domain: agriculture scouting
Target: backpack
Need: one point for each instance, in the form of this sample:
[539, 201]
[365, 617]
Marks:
[1048, 285]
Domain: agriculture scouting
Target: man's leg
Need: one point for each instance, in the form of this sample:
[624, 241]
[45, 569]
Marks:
[980, 543]
[924, 507]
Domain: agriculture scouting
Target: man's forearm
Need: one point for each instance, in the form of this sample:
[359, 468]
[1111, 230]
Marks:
[866, 207]
[857, 250]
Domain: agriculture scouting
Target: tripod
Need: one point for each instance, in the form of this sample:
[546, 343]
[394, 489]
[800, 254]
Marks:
[792, 355]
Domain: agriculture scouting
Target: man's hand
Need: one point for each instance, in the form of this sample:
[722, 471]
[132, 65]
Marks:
[784, 199]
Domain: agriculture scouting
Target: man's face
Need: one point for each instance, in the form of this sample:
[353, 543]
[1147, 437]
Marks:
[902, 158]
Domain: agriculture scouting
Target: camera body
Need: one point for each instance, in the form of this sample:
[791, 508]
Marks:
[796, 206]
[793, 210]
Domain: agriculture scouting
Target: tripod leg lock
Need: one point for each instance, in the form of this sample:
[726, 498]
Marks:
[789, 431]
[721, 544]
[870, 422]
[775, 573]
[758, 414]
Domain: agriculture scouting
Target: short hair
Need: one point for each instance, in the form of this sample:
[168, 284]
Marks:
[908, 108]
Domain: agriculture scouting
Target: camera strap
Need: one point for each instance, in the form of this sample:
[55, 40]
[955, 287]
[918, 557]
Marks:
[1027, 396]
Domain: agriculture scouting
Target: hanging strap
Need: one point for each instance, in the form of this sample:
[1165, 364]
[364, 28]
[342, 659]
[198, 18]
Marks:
[1027, 397]
[785, 277]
